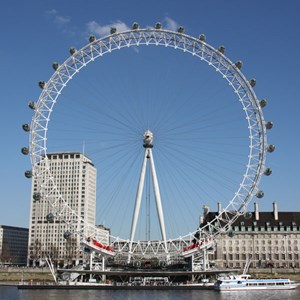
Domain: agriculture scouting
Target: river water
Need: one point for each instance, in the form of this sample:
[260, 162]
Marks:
[12, 293]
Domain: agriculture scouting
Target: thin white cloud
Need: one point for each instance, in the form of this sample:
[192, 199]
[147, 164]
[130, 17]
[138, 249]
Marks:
[61, 21]
[57, 18]
[170, 24]
[51, 12]
[94, 27]
[102, 30]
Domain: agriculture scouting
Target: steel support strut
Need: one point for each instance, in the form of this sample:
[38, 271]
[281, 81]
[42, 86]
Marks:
[148, 139]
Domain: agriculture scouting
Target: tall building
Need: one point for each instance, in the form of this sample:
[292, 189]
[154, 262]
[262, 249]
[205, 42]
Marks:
[75, 176]
[267, 239]
[13, 245]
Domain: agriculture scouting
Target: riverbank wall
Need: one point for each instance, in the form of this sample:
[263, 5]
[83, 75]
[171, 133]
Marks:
[44, 275]
[25, 274]
[291, 273]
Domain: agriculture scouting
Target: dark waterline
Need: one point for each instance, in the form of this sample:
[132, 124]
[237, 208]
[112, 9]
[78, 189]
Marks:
[12, 293]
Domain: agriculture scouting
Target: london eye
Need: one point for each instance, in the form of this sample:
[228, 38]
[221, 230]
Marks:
[172, 125]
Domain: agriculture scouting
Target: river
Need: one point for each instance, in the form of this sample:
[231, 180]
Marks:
[12, 293]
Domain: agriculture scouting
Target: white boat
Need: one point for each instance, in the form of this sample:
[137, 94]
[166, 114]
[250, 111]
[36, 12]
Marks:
[245, 283]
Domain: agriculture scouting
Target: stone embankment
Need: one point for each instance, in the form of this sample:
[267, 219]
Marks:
[44, 275]
[292, 274]
[25, 274]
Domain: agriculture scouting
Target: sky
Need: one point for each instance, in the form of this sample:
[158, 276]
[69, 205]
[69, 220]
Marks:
[34, 34]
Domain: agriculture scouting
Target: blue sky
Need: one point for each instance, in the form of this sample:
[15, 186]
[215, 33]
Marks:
[263, 34]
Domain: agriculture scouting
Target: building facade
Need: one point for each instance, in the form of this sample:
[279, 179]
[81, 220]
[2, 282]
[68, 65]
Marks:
[267, 239]
[75, 176]
[13, 245]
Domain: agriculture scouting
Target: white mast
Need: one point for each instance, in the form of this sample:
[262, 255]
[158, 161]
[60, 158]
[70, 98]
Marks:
[148, 145]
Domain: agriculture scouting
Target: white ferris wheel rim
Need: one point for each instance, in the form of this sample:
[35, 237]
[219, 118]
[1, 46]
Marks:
[177, 40]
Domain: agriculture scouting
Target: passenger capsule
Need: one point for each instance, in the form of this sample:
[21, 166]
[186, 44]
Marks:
[86, 250]
[42, 84]
[260, 194]
[25, 150]
[248, 215]
[36, 196]
[268, 171]
[231, 233]
[31, 105]
[137, 263]
[28, 174]
[72, 50]
[239, 64]
[55, 66]
[50, 218]
[180, 29]
[67, 235]
[271, 148]
[253, 82]
[263, 103]
[113, 30]
[135, 26]
[92, 38]
[158, 25]
[202, 37]
[221, 49]
[26, 127]
[269, 125]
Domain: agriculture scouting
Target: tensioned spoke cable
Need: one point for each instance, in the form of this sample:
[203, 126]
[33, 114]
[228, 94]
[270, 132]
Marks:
[116, 180]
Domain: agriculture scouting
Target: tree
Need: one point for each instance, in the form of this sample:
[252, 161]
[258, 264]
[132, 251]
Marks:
[5, 253]
[53, 254]
[36, 251]
[71, 249]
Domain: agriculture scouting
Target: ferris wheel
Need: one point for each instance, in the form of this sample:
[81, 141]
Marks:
[179, 115]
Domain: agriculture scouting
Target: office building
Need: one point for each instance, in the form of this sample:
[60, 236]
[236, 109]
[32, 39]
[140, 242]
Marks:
[13, 245]
[75, 176]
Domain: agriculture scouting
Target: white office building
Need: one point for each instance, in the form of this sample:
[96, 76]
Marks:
[75, 176]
